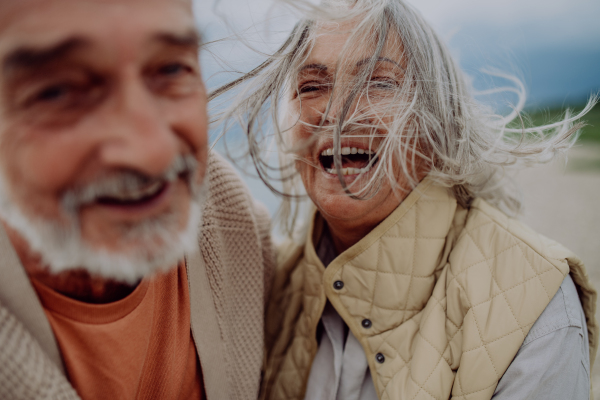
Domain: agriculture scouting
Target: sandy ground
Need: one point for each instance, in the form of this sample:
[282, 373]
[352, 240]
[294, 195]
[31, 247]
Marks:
[563, 203]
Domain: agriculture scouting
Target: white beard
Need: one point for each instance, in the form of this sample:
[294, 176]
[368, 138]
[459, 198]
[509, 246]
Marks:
[156, 244]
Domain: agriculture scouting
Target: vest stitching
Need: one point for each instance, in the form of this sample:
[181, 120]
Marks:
[459, 376]
[384, 308]
[414, 237]
[376, 272]
[512, 287]
[407, 366]
[495, 340]
[407, 362]
[389, 273]
[414, 250]
[520, 241]
[465, 394]
[462, 272]
[503, 292]
[485, 346]
[537, 275]
[428, 377]
[439, 352]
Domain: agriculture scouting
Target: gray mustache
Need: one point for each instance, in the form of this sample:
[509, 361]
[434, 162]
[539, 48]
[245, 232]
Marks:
[129, 181]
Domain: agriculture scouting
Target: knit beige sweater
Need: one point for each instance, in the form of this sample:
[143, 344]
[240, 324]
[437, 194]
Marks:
[228, 280]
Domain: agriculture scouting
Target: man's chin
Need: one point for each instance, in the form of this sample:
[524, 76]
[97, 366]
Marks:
[127, 267]
[142, 255]
[155, 246]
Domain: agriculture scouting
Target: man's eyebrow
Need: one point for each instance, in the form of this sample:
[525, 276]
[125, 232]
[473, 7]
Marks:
[378, 59]
[320, 67]
[190, 38]
[36, 57]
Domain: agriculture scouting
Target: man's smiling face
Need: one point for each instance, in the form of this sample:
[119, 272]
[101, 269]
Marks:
[103, 131]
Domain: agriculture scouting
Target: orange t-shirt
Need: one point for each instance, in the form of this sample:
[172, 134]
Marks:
[139, 347]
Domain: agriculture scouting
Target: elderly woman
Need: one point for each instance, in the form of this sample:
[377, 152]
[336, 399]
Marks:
[410, 283]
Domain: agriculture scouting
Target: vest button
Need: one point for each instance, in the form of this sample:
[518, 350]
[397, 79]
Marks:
[338, 285]
[366, 323]
[380, 358]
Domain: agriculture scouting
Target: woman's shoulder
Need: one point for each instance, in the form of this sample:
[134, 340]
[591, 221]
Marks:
[493, 238]
[499, 265]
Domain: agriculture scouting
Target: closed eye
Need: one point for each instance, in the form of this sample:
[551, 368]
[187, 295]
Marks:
[308, 88]
[174, 69]
[383, 83]
[311, 87]
[51, 93]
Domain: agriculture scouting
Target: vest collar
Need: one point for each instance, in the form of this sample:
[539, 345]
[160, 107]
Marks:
[405, 251]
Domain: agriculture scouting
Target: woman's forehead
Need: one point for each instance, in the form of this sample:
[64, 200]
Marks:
[350, 45]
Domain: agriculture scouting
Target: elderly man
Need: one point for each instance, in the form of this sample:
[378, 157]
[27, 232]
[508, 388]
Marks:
[112, 287]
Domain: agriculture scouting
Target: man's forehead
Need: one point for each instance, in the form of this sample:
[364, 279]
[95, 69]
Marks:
[41, 23]
[13, 10]
[13, 3]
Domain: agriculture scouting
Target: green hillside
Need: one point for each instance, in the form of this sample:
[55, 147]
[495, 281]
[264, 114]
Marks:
[590, 133]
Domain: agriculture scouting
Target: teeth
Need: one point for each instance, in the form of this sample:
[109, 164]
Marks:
[349, 171]
[347, 150]
[138, 194]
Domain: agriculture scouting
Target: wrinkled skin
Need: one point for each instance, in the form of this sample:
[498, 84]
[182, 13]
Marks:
[87, 88]
[349, 219]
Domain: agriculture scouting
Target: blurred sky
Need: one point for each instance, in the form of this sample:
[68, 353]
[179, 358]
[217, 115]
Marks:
[552, 45]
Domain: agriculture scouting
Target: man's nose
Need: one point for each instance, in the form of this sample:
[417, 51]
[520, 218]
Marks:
[140, 136]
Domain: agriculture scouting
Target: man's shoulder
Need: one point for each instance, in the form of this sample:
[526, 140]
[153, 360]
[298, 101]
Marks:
[225, 187]
[26, 372]
[229, 201]
[235, 228]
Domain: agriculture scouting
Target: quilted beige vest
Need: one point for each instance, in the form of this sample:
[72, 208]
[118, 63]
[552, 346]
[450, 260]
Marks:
[451, 294]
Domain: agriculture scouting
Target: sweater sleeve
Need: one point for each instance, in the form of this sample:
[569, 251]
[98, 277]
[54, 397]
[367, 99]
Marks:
[264, 230]
[553, 361]
[26, 372]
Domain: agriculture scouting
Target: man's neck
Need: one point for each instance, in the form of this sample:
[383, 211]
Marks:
[77, 284]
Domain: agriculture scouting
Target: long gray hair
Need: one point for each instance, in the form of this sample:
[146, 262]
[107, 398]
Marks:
[437, 123]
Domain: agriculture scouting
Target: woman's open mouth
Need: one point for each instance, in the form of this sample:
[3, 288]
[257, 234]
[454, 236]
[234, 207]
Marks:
[355, 160]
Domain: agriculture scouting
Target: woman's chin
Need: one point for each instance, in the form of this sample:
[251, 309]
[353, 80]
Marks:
[354, 179]
[338, 208]
[342, 211]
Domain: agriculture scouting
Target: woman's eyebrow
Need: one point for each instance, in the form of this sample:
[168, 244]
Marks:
[319, 67]
[378, 59]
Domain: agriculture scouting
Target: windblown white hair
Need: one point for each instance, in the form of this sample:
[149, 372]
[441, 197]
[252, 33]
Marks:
[437, 122]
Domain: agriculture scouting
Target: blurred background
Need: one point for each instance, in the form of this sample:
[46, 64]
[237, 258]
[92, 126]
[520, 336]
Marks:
[552, 46]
